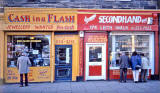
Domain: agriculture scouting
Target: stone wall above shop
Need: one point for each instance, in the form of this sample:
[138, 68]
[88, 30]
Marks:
[89, 4]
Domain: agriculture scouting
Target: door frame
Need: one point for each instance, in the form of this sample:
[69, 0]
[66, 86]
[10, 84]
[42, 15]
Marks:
[104, 64]
[70, 78]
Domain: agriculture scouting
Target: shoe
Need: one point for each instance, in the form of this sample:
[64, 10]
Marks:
[144, 81]
[26, 85]
[135, 81]
[125, 81]
[21, 86]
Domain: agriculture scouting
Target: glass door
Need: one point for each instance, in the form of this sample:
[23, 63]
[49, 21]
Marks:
[63, 62]
[95, 61]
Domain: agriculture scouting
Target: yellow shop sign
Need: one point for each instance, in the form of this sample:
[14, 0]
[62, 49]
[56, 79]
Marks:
[49, 18]
[40, 20]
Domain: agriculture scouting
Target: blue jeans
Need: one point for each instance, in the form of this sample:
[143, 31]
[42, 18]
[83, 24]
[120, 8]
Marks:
[143, 75]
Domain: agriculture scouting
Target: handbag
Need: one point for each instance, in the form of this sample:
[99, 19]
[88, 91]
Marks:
[138, 67]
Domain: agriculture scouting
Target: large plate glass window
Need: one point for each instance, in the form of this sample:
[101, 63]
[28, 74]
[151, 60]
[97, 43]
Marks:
[37, 48]
[141, 42]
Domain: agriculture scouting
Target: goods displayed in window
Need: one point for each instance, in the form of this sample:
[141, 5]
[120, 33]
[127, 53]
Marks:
[37, 48]
[127, 44]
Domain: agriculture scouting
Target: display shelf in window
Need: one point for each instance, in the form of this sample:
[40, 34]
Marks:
[141, 46]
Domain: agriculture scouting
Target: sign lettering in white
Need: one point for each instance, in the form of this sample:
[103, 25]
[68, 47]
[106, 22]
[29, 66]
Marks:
[122, 19]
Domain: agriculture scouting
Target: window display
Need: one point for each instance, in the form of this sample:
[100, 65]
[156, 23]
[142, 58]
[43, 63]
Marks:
[128, 43]
[37, 48]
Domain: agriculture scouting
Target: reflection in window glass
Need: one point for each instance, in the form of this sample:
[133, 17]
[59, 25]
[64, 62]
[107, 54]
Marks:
[37, 48]
[95, 54]
[63, 55]
[127, 44]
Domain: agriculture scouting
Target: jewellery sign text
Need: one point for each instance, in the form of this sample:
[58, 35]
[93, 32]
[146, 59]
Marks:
[117, 22]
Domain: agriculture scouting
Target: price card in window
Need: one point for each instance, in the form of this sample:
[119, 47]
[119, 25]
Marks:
[67, 55]
[35, 52]
[99, 55]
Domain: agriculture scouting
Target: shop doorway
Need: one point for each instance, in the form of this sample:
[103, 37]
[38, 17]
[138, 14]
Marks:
[63, 62]
[95, 61]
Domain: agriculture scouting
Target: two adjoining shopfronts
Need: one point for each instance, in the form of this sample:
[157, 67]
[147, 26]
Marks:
[62, 53]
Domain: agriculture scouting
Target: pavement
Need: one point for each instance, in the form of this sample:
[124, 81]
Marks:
[152, 86]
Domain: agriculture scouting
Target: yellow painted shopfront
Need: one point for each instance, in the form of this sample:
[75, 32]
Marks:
[49, 37]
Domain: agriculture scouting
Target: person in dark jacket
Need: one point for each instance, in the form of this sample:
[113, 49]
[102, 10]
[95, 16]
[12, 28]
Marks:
[124, 63]
[136, 63]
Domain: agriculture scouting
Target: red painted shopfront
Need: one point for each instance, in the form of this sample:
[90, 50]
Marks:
[108, 33]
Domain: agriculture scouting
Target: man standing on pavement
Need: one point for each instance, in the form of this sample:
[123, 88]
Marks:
[124, 62]
[23, 63]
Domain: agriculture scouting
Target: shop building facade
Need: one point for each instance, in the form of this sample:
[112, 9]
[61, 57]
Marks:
[76, 44]
[110, 33]
[50, 39]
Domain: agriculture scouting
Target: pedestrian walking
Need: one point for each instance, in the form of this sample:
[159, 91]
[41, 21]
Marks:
[124, 63]
[144, 67]
[135, 65]
[23, 63]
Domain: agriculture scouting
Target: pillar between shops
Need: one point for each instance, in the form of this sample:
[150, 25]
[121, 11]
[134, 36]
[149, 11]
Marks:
[1, 48]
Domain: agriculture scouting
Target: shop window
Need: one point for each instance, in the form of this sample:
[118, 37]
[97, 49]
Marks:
[127, 44]
[95, 54]
[36, 47]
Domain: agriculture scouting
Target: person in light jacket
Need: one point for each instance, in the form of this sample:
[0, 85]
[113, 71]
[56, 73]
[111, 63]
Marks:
[135, 61]
[144, 68]
[124, 63]
[23, 64]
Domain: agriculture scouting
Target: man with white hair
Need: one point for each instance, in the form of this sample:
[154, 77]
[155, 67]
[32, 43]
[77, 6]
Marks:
[23, 63]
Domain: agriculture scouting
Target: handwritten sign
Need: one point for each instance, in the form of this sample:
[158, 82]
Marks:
[11, 75]
[36, 74]
[96, 38]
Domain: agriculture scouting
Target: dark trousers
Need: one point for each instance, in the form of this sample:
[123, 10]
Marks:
[143, 75]
[26, 79]
[123, 74]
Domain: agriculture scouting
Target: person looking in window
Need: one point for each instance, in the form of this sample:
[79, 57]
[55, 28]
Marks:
[23, 63]
[145, 67]
[135, 65]
[124, 62]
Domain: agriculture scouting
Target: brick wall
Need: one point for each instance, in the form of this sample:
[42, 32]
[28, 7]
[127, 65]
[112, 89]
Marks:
[89, 4]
